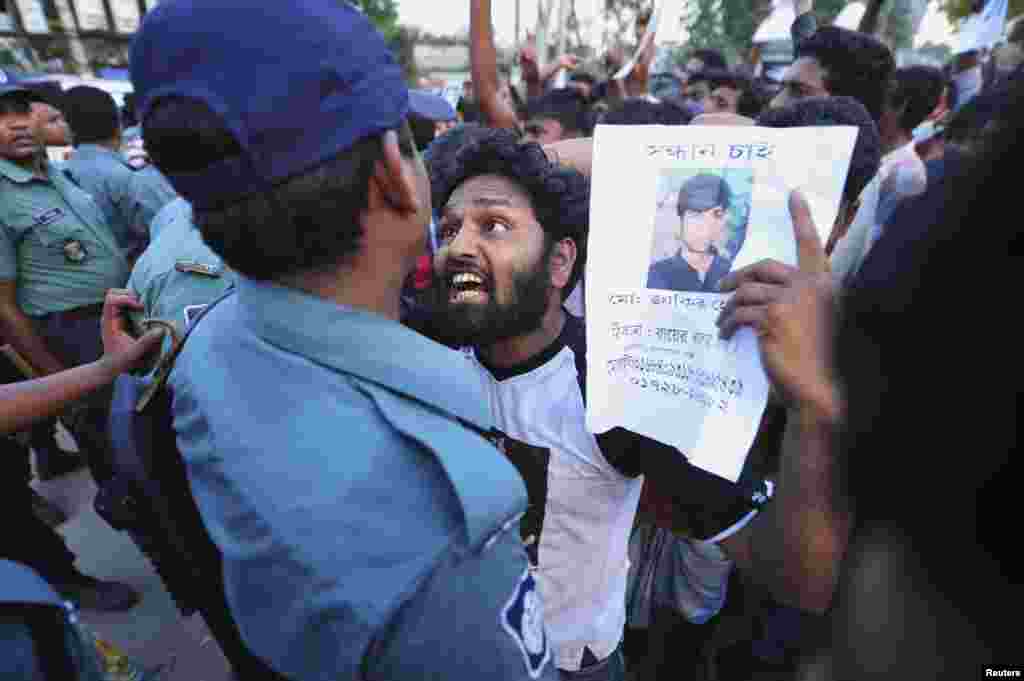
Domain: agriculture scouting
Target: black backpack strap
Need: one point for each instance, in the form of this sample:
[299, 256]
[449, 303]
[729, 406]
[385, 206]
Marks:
[163, 368]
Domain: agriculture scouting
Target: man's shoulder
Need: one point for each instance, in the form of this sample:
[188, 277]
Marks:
[662, 270]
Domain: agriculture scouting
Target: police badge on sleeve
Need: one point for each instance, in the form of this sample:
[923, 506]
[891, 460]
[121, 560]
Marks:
[523, 619]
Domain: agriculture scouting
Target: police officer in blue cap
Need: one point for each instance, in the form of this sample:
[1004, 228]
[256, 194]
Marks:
[368, 529]
[698, 265]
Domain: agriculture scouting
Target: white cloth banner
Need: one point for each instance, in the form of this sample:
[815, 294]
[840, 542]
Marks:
[126, 15]
[91, 15]
[776, 26]
[33, 18]
[655, 363]
[982, 30]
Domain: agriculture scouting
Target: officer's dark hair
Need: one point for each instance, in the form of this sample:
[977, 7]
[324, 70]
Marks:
[855, 64]
[306, 222]
[813, 111]
[92, 115]
[566, 106]
[917, 90]
[559, 196]
[645, 112]
[710, 59]
[17, 103]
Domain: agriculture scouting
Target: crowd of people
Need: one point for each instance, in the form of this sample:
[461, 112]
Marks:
[368, 309]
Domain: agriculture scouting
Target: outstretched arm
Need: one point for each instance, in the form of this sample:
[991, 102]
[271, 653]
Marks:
[484, 65]
[24, 403]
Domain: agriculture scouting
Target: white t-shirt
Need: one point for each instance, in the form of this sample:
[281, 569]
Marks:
[582, 506]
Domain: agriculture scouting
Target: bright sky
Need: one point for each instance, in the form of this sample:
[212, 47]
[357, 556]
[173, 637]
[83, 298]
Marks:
[447, 17]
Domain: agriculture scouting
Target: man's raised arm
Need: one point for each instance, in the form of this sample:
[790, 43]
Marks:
[483, 58]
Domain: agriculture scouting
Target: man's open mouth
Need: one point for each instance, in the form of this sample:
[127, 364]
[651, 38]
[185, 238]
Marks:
[466, 287]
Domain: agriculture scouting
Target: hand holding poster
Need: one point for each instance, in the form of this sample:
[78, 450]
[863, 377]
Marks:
[697, 203]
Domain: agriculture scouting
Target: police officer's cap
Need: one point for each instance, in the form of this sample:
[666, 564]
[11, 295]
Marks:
[29, 94]
[703, 192]
[296, 82]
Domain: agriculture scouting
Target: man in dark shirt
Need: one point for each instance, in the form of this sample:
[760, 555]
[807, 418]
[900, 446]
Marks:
[704, 202]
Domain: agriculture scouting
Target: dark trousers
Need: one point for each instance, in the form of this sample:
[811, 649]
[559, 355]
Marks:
[28, 540]
[675, 647]
[76, 341]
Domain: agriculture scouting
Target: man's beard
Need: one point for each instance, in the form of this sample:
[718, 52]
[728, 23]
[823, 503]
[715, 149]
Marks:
[483, 324]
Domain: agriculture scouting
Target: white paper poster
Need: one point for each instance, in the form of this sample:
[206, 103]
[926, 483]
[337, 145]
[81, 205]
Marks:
[91, 15]
[673, 210]
[126, 15]
[33, 18]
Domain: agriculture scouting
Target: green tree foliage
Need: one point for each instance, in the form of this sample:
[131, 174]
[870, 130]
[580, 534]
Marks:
[384, 15]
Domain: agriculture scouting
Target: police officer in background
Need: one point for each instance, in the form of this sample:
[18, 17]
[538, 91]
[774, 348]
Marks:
[57, 261]
[368, 529]
[98, 167]
[58, 258]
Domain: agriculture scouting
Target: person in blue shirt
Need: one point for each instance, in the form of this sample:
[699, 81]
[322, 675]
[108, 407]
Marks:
[336, 457]
[98, 167]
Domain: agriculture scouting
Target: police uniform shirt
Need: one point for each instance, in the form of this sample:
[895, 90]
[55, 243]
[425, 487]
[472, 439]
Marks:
[177, 273]
[676, 274]
[55, 242]
[108, 177]
[153, 192]
[366, 532]
[583, 492]
[176, 211]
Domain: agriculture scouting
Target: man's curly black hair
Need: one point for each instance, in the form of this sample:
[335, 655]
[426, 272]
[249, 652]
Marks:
[856, 65]
[813, 111]
[645, 112]
[917, 89]
[560, 196]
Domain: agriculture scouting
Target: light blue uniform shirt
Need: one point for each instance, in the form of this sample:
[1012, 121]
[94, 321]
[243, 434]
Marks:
[366, 532]
[177, 212]
[55, 242]
[108, 177]
[152, 190]
[176, 273]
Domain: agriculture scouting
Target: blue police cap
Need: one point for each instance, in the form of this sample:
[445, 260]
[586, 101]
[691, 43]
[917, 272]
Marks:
[296, 83]
[430, 106]
[703, 192]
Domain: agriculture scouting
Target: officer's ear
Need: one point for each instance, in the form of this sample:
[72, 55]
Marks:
[394, 178]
